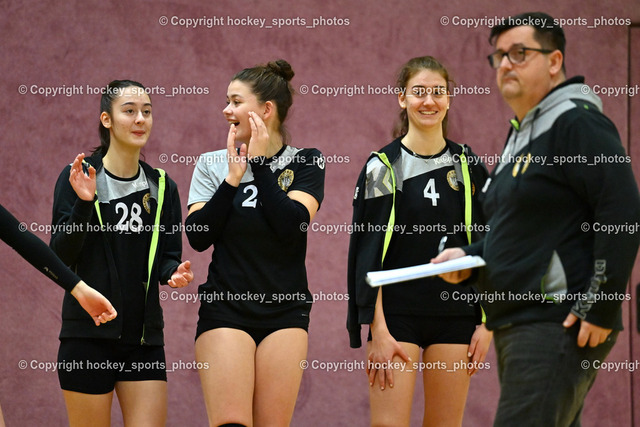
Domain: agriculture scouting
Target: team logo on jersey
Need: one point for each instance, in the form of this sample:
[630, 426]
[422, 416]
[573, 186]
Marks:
[319, 161]
[452, 179]
[145, 202]
[285, 179]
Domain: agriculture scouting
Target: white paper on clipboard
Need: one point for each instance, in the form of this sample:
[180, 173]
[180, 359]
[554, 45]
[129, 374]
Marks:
[386, 277]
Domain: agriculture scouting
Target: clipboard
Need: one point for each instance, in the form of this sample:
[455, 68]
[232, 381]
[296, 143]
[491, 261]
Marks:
[387, 277]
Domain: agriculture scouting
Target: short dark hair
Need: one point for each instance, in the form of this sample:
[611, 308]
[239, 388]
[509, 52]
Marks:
[547, 32]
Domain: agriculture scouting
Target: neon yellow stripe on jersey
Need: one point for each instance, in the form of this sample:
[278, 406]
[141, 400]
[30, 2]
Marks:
[392, 216]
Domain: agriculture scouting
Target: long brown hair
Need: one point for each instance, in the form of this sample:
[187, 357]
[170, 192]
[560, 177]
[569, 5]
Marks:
[410, 69]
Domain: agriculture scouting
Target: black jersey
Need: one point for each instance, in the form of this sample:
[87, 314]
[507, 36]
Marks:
[428, 208]
[125, 206]
[256, 278]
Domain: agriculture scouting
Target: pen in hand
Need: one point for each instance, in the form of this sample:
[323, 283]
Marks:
[442, 243]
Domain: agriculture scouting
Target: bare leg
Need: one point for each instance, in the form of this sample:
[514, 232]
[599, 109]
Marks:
[445, 390]
[392, 406]
[143, 403]
[90, 410]
[278, 376]
[228, 375]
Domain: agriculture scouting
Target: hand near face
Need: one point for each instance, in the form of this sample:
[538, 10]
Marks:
[237, 159]
[259, 136]
[83, 185]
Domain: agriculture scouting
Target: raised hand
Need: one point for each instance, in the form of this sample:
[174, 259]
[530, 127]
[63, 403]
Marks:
[83, 185]
[259, 136]
[182, 276]
[237, 161]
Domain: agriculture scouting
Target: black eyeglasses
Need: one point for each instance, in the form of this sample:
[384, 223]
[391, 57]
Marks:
[516, 55]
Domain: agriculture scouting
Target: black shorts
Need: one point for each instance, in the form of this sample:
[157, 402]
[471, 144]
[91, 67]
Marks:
[258, 334]
[427, 330]
[94, 366]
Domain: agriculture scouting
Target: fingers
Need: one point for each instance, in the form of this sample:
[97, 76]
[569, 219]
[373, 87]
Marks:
[448, 254]
[473, 356]
[92, 173]
[183, 275]
[456, 277]
[570, 320]
[105, 317]
[594, 339]
[382, 377]
[184, 267]
[463, 275]
[402, 353]
[583, 337]
[111, 313]
[472, 345]
[372, 374]
[179, 280]
[231, 140]
[259, 136]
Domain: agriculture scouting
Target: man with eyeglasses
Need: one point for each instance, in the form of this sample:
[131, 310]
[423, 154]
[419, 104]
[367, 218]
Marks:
[563, 184]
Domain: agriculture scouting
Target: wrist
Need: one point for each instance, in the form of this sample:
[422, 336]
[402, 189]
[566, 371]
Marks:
[78, 289]
[378, 328]
[233, 180]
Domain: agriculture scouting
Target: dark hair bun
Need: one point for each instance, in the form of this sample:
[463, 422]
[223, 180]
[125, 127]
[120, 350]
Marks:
[281, 68]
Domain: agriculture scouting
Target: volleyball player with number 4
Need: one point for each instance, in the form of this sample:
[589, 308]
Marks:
[418, 189]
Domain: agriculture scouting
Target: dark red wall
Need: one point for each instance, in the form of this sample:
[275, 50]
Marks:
[88, 43]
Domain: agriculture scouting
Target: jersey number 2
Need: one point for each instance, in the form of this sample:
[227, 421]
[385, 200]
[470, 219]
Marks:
[252, 200]
[430, 192]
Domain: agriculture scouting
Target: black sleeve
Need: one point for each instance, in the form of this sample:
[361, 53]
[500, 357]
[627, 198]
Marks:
[172, 250]
[310, 178]
[72, 215]
[284, 214]
[365, 250]
[607, 183]
[204, 226]
[35, 251]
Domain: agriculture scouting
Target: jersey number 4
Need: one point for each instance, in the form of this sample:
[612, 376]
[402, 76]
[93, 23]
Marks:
[430, 192]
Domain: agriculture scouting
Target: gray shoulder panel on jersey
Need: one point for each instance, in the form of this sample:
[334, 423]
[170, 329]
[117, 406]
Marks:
[289, 155]
[379, 183]
[216, 163]
[412, 166]
[107, 191]
[535, 124]
[101, 185]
